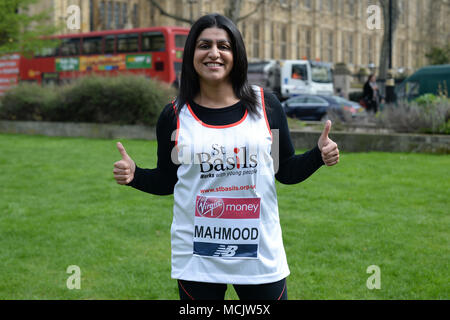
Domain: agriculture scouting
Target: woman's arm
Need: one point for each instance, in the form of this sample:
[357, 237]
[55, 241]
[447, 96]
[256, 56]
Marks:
[292, 168]
[162, 179]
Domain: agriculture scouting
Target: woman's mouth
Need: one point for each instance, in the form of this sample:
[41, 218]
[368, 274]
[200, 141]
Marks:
[213, 65]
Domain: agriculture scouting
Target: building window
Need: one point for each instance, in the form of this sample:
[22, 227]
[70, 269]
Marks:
[330, 5]
[403, 53]
[117, 23]
[272, 40]
[330, 51]
[404, 12]
[283, 44]
[308, 42]
[101, 13]
[370, 50]
[109, 13]
[124, 15]
[308, 4]
[351, 7]
[135, 15]
[350, 49]
[256, 40]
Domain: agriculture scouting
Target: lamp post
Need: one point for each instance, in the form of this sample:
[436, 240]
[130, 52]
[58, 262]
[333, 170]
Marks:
[390, 82]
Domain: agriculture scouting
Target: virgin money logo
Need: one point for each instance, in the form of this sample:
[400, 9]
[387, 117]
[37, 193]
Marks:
[210, 207]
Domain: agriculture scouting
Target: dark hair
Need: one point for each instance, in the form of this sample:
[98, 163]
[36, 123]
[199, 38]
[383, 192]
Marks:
[189, 82]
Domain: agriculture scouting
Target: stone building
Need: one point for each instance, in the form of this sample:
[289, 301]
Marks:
[326, 30]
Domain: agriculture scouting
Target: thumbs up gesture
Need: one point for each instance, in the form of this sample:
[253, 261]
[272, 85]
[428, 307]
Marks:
[328, 148]
[124, 169]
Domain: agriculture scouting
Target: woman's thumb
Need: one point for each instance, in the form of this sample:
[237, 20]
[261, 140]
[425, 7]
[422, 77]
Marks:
[122, 151]
[326, 130]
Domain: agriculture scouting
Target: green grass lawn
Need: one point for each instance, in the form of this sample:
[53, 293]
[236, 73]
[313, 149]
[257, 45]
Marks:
[60, 206]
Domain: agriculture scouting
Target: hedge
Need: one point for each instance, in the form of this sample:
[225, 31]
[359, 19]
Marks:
[126, 99]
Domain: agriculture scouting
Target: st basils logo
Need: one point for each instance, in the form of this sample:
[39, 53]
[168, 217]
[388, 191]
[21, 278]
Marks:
[220, 160]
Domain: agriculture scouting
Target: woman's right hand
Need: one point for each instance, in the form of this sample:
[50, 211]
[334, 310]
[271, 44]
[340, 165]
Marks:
[124, 169]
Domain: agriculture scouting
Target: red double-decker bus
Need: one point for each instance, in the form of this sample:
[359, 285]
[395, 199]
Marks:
[155, 52]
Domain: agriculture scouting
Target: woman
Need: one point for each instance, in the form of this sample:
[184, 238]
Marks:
[218, 165]
[371, 94]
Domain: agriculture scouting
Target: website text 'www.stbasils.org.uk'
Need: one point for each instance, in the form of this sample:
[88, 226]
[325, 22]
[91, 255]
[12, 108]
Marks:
[229, 188]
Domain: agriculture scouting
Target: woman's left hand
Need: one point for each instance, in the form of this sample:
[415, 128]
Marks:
[328, 148]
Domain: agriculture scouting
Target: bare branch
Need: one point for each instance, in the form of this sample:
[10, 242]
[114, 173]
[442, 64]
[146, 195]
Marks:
[165, 13]
[251, 12]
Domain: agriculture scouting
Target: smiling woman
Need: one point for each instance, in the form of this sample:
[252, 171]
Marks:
[213, 58]
[214, 39]
[231, 235]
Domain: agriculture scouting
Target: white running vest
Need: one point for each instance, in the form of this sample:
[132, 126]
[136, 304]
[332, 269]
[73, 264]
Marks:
[225, 226]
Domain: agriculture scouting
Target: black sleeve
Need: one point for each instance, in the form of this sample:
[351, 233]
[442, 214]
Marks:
[162, 179]
[292, 168]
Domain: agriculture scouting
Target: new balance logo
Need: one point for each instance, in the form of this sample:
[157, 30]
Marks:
[225, 251]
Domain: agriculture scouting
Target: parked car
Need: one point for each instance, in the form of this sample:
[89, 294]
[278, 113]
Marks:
[316, 107]
[354, 108]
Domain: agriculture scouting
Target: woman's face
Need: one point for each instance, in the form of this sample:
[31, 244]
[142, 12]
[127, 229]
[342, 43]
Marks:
[213, 55]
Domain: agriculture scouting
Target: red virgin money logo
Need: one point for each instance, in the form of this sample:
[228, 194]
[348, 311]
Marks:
[228, 208]
[209, 207]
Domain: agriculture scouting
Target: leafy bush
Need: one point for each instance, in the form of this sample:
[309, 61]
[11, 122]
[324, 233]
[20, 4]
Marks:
[126, 99]
[429, 98]
[29, 102]
[355, 96]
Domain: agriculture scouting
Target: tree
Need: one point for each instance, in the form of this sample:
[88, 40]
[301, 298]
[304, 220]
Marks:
[439, 55]
[232, 10]
[21, 32]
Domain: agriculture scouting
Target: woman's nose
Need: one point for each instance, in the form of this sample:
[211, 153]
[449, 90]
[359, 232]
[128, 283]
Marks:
[213, 52]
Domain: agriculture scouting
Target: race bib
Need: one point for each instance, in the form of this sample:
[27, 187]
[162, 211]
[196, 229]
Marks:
[227, 227]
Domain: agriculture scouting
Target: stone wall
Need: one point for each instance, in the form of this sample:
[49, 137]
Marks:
[347, 141]
[366, 142]
[70, 129]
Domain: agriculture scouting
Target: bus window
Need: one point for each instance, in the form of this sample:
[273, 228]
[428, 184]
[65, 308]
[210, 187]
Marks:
[109, 44]
[70, 47]
[159, 66]
[128, 42]
[153, 41]
[180, 40]
[45, 52]
[92, 45]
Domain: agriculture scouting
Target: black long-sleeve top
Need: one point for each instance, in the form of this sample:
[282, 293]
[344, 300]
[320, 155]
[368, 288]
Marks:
[162, 179]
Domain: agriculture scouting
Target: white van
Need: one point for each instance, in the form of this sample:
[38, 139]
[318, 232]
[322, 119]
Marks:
[288, 78]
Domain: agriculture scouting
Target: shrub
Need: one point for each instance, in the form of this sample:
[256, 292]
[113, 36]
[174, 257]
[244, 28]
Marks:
[126, 99]
[29, 102]
[430, 117]
[355, 96]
